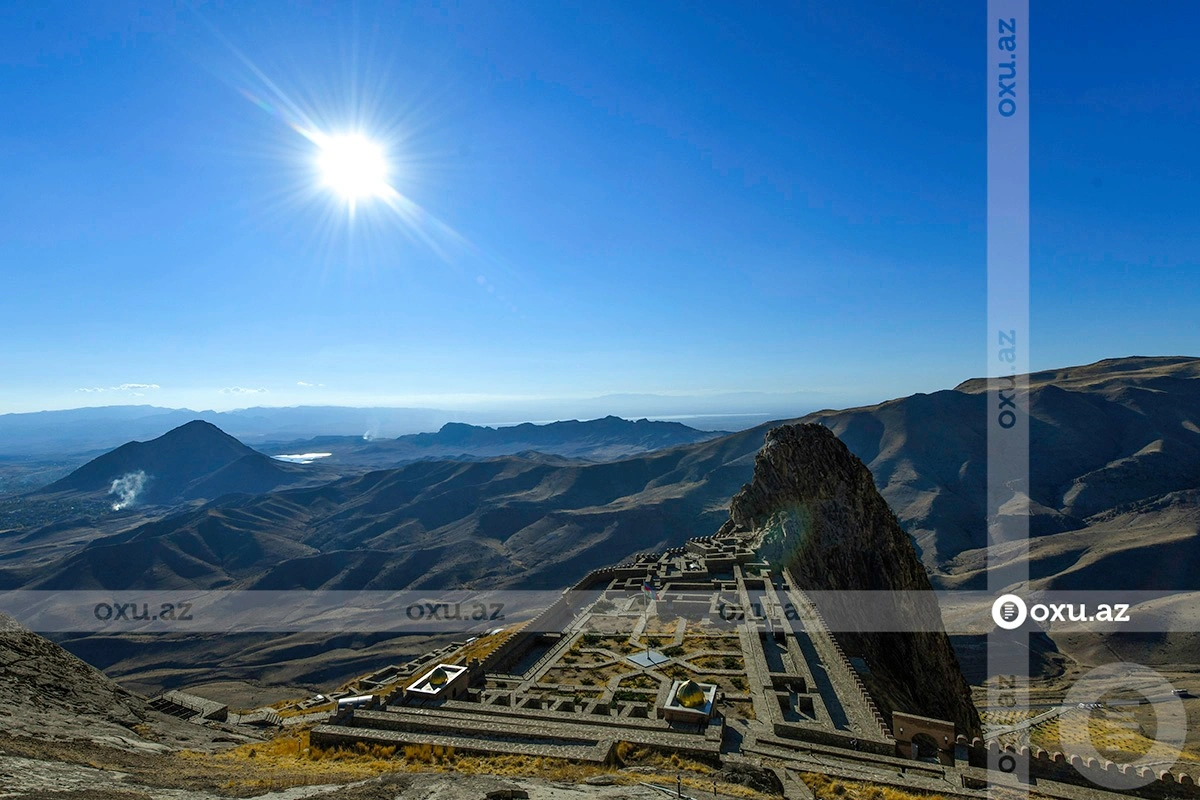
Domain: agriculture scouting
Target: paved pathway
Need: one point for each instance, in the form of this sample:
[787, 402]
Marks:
[837, 686]
[1025, 725]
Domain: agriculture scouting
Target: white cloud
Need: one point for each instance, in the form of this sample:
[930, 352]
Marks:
[242, 390]
[308, 385]
[135, 388]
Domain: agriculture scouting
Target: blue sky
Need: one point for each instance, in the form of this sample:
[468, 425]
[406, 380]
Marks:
[617, 197]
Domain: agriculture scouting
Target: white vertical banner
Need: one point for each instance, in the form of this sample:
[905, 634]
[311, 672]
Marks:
[1007, 97]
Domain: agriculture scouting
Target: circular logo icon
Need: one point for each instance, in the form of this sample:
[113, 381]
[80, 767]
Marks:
[1009, 612]
[1088, 714]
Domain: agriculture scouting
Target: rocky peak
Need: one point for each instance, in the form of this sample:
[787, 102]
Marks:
[812, 508]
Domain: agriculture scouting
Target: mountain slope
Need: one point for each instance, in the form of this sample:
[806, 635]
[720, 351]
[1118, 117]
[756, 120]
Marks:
[1117, 432]
[195, 460]
[47, 692]
[510, 521]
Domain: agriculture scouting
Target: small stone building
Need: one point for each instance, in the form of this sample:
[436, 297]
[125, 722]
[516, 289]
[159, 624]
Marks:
[689, 702]
[443, 682]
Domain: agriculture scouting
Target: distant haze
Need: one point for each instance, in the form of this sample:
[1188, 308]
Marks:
[88, 429]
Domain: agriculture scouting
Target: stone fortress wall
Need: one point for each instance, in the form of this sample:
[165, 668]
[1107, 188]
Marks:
[798, 721]
[1056, 766]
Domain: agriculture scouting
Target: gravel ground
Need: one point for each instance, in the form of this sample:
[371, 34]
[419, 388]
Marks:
[40, 779]
[32, 769]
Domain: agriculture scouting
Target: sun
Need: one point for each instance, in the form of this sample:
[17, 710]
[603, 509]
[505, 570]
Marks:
[353, 166]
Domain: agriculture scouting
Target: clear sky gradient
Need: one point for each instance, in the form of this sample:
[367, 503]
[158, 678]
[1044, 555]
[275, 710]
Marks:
[606, 197]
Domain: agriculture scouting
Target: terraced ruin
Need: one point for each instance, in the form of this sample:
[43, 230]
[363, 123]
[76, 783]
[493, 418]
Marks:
[604, 665]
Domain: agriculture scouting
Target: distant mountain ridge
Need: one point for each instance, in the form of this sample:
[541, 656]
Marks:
[605, 439]
[1108, 373]
[88, 430]
[651, 435]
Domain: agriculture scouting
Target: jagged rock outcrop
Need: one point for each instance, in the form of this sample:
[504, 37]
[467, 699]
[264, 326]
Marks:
[813, 508]
[49, 693]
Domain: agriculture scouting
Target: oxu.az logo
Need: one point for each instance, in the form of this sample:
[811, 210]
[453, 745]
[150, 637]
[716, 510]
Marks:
[1010, 612]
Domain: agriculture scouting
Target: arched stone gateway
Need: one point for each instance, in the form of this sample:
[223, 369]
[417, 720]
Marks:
[923, 737]
[925, 748]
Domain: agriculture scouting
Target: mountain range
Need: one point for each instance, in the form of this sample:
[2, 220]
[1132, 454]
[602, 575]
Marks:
[1115, 478]
[94, 429]
[604, 439]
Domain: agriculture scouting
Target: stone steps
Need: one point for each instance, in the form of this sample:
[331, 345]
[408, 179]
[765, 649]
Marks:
[483, 729]
[344, 735]
[656, 733]
[507, 712]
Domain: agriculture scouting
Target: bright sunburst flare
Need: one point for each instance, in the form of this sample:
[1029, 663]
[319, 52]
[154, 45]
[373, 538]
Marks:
[350, 167]
[353, 166]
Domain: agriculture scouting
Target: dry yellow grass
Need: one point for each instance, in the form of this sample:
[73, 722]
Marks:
[639, 681]
[993, 718]
[290, 760]
[285, 762]
[702, 786]
[703, 627]
[826, 788]
[629, 754]
[295, 711]
[1117, 735]
[482, 647]
[550, 769]
[694, 774]
[719, 662]
[576, 674]
[721, 643]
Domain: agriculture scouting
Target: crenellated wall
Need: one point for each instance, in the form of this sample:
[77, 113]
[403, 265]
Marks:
[1056, 766]
[862, 689]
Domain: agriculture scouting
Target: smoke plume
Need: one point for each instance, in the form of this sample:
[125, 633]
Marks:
[126, 489]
